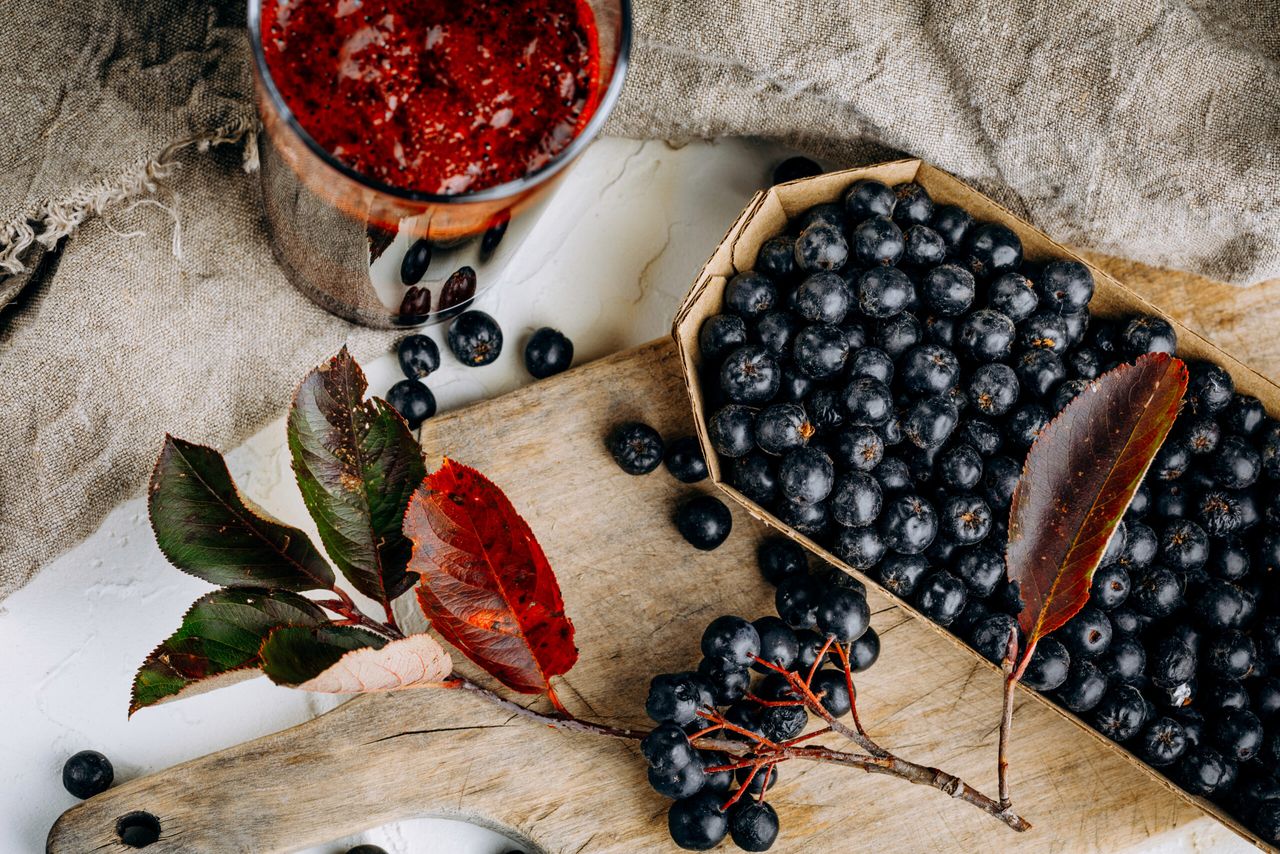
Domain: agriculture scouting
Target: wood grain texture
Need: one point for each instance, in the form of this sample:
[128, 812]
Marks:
[639, 597]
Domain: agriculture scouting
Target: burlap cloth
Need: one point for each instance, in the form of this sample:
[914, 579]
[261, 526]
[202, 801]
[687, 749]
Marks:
[141, 296]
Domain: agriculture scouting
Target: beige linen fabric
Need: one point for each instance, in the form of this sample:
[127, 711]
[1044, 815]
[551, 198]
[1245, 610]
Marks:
[139, 292]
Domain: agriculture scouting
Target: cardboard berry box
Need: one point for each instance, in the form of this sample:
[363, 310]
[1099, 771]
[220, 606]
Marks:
[766, 216]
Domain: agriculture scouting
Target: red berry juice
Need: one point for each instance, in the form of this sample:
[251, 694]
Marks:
[437, 96]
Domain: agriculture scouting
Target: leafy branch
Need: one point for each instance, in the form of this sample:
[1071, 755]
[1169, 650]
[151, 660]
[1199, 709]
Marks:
[1079, 478]
[486, 587]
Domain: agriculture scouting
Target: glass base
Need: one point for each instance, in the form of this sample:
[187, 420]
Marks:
[352, 268]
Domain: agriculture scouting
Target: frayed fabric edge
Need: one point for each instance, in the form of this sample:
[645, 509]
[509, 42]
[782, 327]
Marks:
[49, 222]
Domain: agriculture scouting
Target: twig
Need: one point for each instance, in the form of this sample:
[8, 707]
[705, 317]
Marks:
[1006, 717]
[353, 616]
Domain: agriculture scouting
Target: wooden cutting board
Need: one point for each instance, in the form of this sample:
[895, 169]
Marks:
[639, 597]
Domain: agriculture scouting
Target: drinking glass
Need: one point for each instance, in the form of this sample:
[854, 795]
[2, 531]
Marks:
[340, 236]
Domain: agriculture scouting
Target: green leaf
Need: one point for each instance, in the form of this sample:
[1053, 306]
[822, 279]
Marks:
[357, 464]
[205, 528]
[295, 656]
[217, 643]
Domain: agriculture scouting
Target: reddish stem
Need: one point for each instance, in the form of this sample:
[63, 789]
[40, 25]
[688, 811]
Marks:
[817, 662]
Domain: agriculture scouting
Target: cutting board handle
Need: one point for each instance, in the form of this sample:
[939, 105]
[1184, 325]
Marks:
[373, 760]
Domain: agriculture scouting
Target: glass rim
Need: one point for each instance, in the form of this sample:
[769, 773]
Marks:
[497, 192]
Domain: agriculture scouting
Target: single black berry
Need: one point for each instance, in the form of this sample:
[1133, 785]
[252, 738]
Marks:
[475, 339]
[413, 400]
[965, 519]
[667, 747]
[820, 351]
[732, 430]
[949, 289]
[1084, 687]
[990, 637]
[720, 334]
[868, 402]
[753, 825]
[1148, 334]
[777, 331]
[796, 601]
[636, 447]
[981, 568]
[877, 242]
[415, 262]
[704, 521]
[993, 249]
[685, 461]
[861, 548]
[864, 651]
[1088, 633]
[924, 247]
[777, 258]
[884, 292]
[868, 198]
[843, 614]
[783, 427]
[821, 247]
[856, 499]
[986, 335]
[750, 294]
[1049, 666]
[1121, 713]
[728, 681]
[781, 558]
[418, 356]
[908, 524]
[929, 369]
[698, 823]
[858, 447]
[778, 643]
[1163, 742]
[953, 223]
[1014, 296]
[1110, 587]
[87, 773]
[750, 374]
[901, 574]
[1065, 286]
[547, 353]
[677, 697]
[732, 639]
[914, 206]
[832, 689]
[941, 597]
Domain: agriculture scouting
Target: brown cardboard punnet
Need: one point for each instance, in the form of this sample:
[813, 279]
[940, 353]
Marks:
[766, 216]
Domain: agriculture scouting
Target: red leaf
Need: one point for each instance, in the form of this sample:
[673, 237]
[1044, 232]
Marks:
[1078, 480]
[485, 584]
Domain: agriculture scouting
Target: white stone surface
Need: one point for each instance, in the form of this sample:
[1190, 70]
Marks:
[607, 264]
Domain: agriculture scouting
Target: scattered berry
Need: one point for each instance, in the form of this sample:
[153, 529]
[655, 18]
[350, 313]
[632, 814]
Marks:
[475, 339]
[87, 773]
[704, 521]
[636, 447]
[413, 400]
[548, 353]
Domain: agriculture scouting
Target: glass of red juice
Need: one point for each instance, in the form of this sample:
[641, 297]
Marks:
[408, 143]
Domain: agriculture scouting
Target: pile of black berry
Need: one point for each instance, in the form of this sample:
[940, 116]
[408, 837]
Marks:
[876, 383]
[823, 614]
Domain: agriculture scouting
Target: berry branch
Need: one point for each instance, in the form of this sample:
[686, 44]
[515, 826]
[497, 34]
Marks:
[758, 749]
